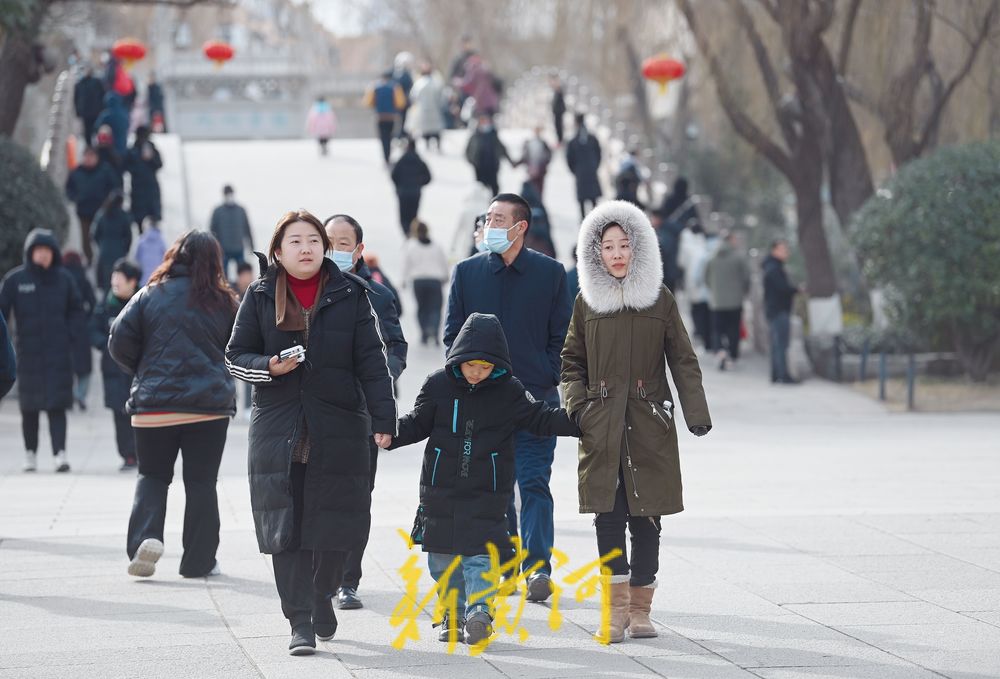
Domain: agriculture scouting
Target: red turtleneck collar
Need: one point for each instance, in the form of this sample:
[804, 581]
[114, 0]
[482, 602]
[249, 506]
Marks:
[304, 289]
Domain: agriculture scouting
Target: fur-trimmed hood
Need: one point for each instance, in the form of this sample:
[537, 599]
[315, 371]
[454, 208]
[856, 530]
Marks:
[641, 286]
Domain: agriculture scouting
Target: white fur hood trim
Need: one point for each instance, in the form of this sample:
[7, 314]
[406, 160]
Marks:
[641, 286]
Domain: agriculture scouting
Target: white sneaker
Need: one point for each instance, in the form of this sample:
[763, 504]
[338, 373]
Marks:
[30, 461]
[62, 465]
[143, 564]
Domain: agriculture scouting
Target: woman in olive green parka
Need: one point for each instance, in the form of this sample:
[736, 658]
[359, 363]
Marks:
[625, 331]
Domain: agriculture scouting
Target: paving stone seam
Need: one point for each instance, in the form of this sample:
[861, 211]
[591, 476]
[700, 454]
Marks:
[229, 629]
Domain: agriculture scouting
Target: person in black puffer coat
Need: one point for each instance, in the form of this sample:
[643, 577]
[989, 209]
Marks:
[125, 277]
[45, 299]
[142, 163]
[311, 420]
[470, 411]
[172, 336]
[112, 232]
[410, 175]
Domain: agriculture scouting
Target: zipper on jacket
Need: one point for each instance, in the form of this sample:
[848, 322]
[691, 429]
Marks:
[628, 463]
[658, 415]
[291, 443]
[454, 418]
[434, 471]
[493, 459]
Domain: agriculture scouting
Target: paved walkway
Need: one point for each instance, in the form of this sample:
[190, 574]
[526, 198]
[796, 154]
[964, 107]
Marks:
[823, 537]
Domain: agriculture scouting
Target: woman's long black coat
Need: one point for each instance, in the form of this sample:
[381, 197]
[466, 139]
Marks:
[343, 379]
[49, 313]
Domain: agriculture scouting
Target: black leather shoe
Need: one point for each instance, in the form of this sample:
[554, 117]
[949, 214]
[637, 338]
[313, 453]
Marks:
[303, 640]
[324, 619]
[347, 599]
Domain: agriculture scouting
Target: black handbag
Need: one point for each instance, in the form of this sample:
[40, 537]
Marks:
[417, 532]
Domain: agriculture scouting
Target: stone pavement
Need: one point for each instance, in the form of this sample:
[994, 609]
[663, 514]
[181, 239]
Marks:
[823, 537]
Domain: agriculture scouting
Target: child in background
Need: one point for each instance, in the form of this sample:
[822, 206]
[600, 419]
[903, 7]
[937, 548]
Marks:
[124, 281]
[150, 250]
[470, 411]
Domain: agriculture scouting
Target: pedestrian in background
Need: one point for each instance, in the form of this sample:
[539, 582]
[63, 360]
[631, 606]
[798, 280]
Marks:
[779, 295]
[727, 276]
[410, 174]
[8, 360]
[583, 156]
[321, 124]
[675, 213]
[123, 285]
[387, 98]
[88, 186]
[157, 107]
[310, 477]
[88, 102]
[115, 116]
[231, 227]
[428, 101]
[150, 250]
[112, 233]
[347, 249]
[536, 156]
[142, 163]
[484, 151]
[480, 83]
[171, 337]
[425, 267]
[402, 77]
[558, 108]
[626, 330]
[83, 361]
[692, 256]
[46, 302]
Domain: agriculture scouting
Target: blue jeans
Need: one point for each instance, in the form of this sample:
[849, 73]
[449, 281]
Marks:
[780, 326]
[533, 469]
[468, 579]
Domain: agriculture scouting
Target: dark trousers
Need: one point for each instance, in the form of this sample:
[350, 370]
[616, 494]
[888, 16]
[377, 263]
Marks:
[385, 128]
[322, 145]
[645, 534]
[304, 576]
[409, 205]
[88, 247]
[429, 300]
[88, 130]
[201, 445]
[702, 318]
[231, 256]
[533, 470]
[352, 563]
[436, 136]
[124, 434]
[780, 327]
[557, 121]
[726, 331]
[490, 180]
[57, 429]
[583, 206]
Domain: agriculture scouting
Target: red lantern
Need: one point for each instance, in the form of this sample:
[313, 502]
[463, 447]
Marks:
[128, 51]
[218, 51]
[662, 69]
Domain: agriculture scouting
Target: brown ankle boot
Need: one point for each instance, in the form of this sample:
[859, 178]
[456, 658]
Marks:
[619, 611]
[640, 603]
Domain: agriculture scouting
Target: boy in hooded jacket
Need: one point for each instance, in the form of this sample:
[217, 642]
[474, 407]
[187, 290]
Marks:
[469, 412]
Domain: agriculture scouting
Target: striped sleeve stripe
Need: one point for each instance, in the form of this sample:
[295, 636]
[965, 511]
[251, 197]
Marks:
[385, 357]
[247, 374]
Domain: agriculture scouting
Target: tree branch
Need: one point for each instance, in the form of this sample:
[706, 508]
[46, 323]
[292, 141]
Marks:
[733, 108]
[767, 72]
[858, 96]
[171, 3]
[847, 37]
[934, 120]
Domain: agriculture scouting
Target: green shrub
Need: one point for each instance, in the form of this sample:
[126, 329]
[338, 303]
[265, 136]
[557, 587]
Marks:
[931, 237]
[28, 199]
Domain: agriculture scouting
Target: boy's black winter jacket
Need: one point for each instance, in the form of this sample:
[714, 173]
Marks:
[468, 469]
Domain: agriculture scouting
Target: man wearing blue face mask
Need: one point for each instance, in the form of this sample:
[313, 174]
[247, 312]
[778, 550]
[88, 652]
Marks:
[347, 243]
[527, 291]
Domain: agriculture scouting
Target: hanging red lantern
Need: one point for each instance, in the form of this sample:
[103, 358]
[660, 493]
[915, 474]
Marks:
[662, 69]
[219, 52]
[128, 51]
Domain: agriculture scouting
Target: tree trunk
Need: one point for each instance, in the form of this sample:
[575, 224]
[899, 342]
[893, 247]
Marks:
[18, 67]
[976, 356]
[820, 275]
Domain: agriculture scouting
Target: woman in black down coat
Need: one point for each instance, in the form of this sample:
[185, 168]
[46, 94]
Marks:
[45, 300]
[311, 419]
[172, 336]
